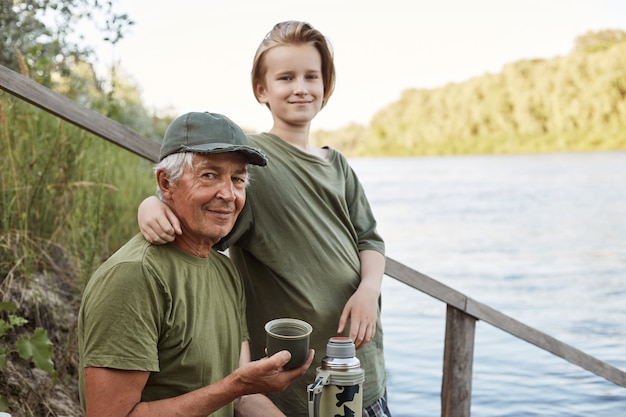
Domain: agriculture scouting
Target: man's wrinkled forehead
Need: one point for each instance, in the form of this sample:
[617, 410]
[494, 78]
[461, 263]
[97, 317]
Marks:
[217, 161]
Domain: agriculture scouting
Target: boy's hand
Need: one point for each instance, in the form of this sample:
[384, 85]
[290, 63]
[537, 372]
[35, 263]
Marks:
[362, 311]
[157, 223]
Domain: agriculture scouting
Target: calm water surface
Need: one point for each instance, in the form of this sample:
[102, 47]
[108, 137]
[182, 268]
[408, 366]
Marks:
[541, 238]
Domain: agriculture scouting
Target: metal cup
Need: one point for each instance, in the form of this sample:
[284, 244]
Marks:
[289, 334]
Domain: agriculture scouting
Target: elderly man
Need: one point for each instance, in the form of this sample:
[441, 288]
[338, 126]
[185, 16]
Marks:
[162, 329]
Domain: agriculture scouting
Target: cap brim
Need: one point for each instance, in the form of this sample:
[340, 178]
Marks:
[253, 155]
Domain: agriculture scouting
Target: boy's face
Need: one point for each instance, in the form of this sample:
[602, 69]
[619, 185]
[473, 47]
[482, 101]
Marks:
[293, 88]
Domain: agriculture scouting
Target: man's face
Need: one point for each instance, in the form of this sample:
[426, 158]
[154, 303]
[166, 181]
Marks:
[208, 198]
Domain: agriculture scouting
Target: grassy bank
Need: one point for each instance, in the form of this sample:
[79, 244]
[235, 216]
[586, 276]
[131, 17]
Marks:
[67, 200]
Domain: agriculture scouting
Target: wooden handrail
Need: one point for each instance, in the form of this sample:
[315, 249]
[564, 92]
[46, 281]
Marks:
[462, 311]
[77, 114]
[497, 319]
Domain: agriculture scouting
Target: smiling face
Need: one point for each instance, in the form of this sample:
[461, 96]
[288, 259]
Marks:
[292, 87]
[207, 199]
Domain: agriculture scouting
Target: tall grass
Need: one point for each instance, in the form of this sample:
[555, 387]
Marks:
[68, 199]
[62, 187]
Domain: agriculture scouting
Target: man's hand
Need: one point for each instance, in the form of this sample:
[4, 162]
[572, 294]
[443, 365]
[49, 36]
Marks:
[268, 374]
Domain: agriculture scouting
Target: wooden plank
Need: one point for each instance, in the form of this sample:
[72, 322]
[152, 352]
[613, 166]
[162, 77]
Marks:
[77, 114]
[458, 359]
[497, 319]
[546, 342]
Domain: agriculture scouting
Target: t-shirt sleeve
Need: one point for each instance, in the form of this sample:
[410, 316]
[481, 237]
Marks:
[125, 301]
[361, 213]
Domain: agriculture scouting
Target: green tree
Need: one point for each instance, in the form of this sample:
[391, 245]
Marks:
[573, 102]
[599, 40]
[38, 37]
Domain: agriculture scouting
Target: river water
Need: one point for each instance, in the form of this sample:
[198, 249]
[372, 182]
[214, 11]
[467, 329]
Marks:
[541, 238]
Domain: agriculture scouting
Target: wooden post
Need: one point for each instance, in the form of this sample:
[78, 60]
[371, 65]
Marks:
[458, 357]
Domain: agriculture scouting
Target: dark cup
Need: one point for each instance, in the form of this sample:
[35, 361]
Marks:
[289, 334]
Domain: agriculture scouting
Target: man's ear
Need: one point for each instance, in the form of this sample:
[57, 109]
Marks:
[164, 183]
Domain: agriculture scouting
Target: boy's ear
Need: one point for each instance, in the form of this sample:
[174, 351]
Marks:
[259, 92]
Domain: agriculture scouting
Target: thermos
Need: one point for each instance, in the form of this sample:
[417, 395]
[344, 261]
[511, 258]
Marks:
[338, 386]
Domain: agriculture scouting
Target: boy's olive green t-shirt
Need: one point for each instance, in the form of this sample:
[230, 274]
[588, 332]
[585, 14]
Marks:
[296, 245]
[159, 309]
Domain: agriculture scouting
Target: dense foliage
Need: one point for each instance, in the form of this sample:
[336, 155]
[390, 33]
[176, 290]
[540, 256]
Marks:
[67, 198]
[42, 36]
[574, 102]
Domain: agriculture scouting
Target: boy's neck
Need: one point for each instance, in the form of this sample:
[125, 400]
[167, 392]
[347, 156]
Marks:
[298, 137]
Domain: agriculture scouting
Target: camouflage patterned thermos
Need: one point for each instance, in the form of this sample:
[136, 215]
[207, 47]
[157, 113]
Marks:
[338, 386]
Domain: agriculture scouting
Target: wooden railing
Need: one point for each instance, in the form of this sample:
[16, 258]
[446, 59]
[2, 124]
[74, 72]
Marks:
[462, 311]
[81, 116]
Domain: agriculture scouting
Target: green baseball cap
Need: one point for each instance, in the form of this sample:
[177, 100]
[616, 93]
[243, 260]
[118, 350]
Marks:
[205, 132]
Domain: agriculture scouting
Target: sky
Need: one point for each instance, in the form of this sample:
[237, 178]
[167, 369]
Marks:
[191, 55]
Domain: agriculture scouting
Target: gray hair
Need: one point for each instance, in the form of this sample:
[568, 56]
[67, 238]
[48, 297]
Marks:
[174, 165]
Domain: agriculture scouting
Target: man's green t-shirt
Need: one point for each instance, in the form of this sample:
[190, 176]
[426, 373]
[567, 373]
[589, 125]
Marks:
[159, 309]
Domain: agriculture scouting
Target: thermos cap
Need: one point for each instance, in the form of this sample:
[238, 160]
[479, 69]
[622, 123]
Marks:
[340, 347]
[341, 361]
